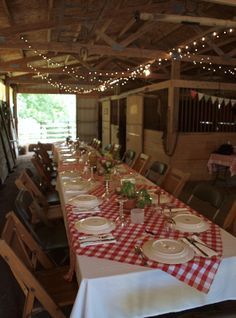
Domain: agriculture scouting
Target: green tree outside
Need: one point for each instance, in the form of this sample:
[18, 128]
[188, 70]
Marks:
[42, 107]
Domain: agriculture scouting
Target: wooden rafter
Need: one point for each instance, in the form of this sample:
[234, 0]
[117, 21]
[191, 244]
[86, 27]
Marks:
[223, 2]
[92, 49]
[33, 27]
[50, 6]
[185, 19]
[7, 12]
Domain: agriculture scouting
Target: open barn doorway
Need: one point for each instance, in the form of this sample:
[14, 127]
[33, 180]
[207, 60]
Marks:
[45, 117]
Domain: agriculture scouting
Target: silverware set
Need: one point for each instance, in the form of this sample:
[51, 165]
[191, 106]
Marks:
[139, 251]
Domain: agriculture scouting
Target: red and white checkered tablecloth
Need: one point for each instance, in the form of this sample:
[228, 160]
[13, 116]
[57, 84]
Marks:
[198, 273]
[222, 160]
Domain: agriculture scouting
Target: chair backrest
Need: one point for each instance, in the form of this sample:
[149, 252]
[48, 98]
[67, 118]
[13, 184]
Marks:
[42, 171]
[141, 162]
[174, 181]
[17, 235]
[205, 192]
[115, 151]
[156, 171]
[27, 211]
[107, 148]
[44, 155]
[24, 181]
[230, 220]
[128, 157]
[21, 253]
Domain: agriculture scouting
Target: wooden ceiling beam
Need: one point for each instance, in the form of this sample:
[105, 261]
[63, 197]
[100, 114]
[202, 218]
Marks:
[102, 73]
[185, 19]
[210, 42]
[108, 39]
[7, 11]
[207, 59]
[68, 47]
[128, 25]
[134, 36]
[32, 27]
[23, 61]
[50, 6]
[223, 2]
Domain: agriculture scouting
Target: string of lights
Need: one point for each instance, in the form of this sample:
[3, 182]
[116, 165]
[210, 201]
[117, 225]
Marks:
[190, 51]
[92, 76]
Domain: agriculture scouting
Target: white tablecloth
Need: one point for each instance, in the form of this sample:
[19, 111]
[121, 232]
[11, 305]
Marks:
[118, 290]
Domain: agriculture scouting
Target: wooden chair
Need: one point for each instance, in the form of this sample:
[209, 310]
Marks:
[141, 162]
[174, 181]
[41, 150]
[128, 157]
[49, 234]
[156, 172]
[206, 199]
[43, 173]
[230, 220]
[47, 285]
[25, 181]
[115, 151]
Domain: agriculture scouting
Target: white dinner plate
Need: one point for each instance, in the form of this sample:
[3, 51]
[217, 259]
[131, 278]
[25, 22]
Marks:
[190, 223]
[95, 225]
[85, 201]
[168, 248]
[171, 252]
[75, 185]
[69, 160]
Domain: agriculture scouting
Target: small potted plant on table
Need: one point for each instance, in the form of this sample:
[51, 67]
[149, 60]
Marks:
[128, 191]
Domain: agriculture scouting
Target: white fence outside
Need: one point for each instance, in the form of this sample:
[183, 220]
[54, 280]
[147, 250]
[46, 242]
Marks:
[31, 131]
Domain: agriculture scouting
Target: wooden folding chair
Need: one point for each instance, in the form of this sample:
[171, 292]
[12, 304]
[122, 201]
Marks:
[43, 173]
[230, 220]
[174, 181]
[141, 162]
[206, 199]
[156, 172]
[52, 211]
[115, 151]
[47, 285]
[128, 157]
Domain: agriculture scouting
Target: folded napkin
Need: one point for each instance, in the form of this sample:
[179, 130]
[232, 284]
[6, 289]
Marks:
[179, 210]
[199, 247]
[96, 240]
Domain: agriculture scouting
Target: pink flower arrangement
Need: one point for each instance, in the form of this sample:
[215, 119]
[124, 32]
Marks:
[107, 163]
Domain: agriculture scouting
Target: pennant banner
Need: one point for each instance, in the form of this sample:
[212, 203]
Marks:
[221, 100]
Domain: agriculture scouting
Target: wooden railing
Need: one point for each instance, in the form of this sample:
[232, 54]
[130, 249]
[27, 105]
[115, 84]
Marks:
[49, 132]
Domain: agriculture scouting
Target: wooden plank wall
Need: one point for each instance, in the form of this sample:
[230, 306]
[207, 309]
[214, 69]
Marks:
[192, 150]
[87, 118]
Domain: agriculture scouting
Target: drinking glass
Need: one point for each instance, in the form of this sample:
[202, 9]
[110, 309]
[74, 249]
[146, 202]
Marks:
[121, 218]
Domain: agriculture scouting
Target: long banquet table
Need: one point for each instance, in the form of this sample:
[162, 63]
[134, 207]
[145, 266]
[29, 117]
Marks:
[119, 286]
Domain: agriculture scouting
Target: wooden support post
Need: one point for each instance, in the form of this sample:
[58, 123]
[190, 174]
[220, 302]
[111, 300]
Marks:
[173, 109]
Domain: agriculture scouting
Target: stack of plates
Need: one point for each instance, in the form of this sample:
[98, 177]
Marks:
[85, 201]
[190, 223]
[76, 186]
[168, 251]
[95, 225]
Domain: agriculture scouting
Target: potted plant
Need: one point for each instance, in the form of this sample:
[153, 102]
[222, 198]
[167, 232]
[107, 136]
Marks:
[143, 199]
[128, 191]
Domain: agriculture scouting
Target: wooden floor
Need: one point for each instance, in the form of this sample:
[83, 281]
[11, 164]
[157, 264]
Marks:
[11, 297]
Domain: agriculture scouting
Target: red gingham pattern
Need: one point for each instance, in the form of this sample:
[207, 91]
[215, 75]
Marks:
[223, 160]
[198, 273]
